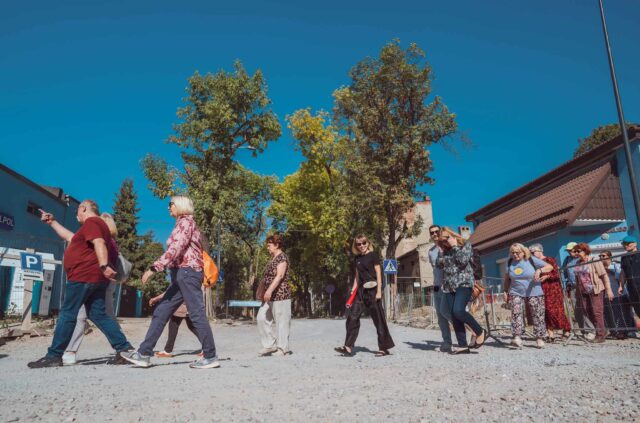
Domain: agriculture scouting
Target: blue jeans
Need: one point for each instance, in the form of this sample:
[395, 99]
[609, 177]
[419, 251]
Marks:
[457, 302]
[92, 295]
[186, 287]
[444, 315]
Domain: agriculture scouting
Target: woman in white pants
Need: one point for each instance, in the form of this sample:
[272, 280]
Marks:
[69, 356]
[274, 317]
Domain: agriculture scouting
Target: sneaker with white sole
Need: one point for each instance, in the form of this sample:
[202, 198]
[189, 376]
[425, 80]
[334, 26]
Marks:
[68, 358]
[590, 336]
[539, 343]
[134, 357]
[205, 363]
[516, 342]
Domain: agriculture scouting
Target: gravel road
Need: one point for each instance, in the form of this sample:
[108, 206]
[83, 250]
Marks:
[417, 383]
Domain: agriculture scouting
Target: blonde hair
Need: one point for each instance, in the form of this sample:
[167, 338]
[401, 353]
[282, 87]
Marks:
[183, 205]
[361, 238]
[518, 246]
[111, 224]
[91, 205]
[445, 230]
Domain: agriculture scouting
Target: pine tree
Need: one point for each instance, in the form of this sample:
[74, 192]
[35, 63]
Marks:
[125, 213]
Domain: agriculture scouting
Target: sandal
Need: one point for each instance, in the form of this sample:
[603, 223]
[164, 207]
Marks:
[484, 339]
[382, 353]
[344, 351]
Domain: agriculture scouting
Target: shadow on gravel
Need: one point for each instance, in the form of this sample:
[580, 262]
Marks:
[363, 349]
[4, 355]
[94, 361]
[428, 346]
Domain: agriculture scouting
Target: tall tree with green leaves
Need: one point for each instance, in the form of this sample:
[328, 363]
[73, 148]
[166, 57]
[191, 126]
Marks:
[223, 112]
[386, 113]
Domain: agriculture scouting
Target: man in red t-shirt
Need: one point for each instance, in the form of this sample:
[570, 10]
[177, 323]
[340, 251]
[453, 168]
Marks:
[88, 276]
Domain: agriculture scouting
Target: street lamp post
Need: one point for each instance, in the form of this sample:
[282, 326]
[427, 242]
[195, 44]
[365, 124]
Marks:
[623, 127]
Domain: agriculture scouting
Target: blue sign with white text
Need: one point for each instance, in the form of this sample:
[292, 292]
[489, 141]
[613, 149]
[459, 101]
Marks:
[390, 266]
[32, 262]
[7, 222]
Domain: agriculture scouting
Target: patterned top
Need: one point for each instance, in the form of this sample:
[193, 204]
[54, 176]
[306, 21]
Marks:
[283, 291]
[184, 246]
[456, 266]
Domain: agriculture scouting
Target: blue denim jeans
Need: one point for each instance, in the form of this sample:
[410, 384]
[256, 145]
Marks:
[444, 315]
[458, 302]
[186, 286]
[92, 295]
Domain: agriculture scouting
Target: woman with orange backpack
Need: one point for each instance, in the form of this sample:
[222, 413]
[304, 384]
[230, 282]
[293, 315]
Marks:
[184, 259]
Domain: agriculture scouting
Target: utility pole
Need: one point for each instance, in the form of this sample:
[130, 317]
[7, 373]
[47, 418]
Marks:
[623, 126]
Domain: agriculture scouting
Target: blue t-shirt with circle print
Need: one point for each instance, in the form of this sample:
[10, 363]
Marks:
[521, 275]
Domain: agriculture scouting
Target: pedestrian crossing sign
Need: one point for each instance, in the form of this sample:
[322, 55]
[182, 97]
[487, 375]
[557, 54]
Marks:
[390, 266]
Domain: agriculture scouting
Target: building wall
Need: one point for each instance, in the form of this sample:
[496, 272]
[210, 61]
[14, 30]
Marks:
[27, 230]
[625, 184]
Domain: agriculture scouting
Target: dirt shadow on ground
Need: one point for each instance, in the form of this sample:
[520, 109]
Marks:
[94, 361]
[427, 346]
[4, 355]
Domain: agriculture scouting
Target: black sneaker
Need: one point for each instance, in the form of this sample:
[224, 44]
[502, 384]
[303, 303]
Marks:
[118, 359]
[46, 362]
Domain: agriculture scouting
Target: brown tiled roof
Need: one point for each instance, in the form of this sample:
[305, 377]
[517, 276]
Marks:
[548, 210]
[585, 187]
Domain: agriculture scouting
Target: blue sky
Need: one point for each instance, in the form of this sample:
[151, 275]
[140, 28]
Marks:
[88, 88]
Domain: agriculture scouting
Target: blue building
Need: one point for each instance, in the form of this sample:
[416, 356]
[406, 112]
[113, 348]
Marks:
[21, 229]
[587, 199]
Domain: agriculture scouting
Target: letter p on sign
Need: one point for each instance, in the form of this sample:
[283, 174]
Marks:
[31, 262]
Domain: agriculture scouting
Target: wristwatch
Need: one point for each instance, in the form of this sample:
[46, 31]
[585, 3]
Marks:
[104, 267]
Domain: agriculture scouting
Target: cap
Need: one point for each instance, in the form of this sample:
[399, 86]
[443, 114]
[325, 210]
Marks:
[629, 239]
[571, 245]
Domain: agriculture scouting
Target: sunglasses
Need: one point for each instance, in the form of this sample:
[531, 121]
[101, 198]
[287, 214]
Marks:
[516, 252]
[577, 250]
[603, 256]
[358, 244]
[434, 232]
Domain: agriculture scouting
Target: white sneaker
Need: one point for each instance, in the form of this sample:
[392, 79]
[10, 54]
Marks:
[205, 363]
[68, 358]
[539, 343]
[590, 336]
[516, 342]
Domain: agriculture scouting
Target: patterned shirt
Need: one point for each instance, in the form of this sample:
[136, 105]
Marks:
[184, 246]
[283, 291]
[455, 263]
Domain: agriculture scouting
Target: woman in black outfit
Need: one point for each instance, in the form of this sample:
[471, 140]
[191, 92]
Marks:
[368, 283]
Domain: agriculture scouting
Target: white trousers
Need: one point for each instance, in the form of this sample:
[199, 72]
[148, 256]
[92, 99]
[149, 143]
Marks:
[274, 323]
[81, 322]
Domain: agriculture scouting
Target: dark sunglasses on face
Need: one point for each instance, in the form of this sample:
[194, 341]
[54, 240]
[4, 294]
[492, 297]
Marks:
[434, 232]
[358, 244]
[577, 250]
[604, 256]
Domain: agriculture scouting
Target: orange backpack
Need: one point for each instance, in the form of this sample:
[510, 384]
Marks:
[210, 271]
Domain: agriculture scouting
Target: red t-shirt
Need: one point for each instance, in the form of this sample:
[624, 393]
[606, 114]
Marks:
[80, 260]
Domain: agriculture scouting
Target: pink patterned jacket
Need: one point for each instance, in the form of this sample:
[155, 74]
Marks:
[184, 246]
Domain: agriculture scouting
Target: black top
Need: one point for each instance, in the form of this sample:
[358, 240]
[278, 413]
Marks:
[365, 267]
[631, 267]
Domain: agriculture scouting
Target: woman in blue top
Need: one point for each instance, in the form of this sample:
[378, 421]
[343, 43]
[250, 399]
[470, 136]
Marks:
[522, 284]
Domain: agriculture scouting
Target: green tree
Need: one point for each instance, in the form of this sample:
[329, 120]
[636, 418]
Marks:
[598, 136]
[390, 124]
[223, 113]
[141, 251]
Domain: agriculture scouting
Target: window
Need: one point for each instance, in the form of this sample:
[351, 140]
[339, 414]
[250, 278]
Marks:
[34, 209]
